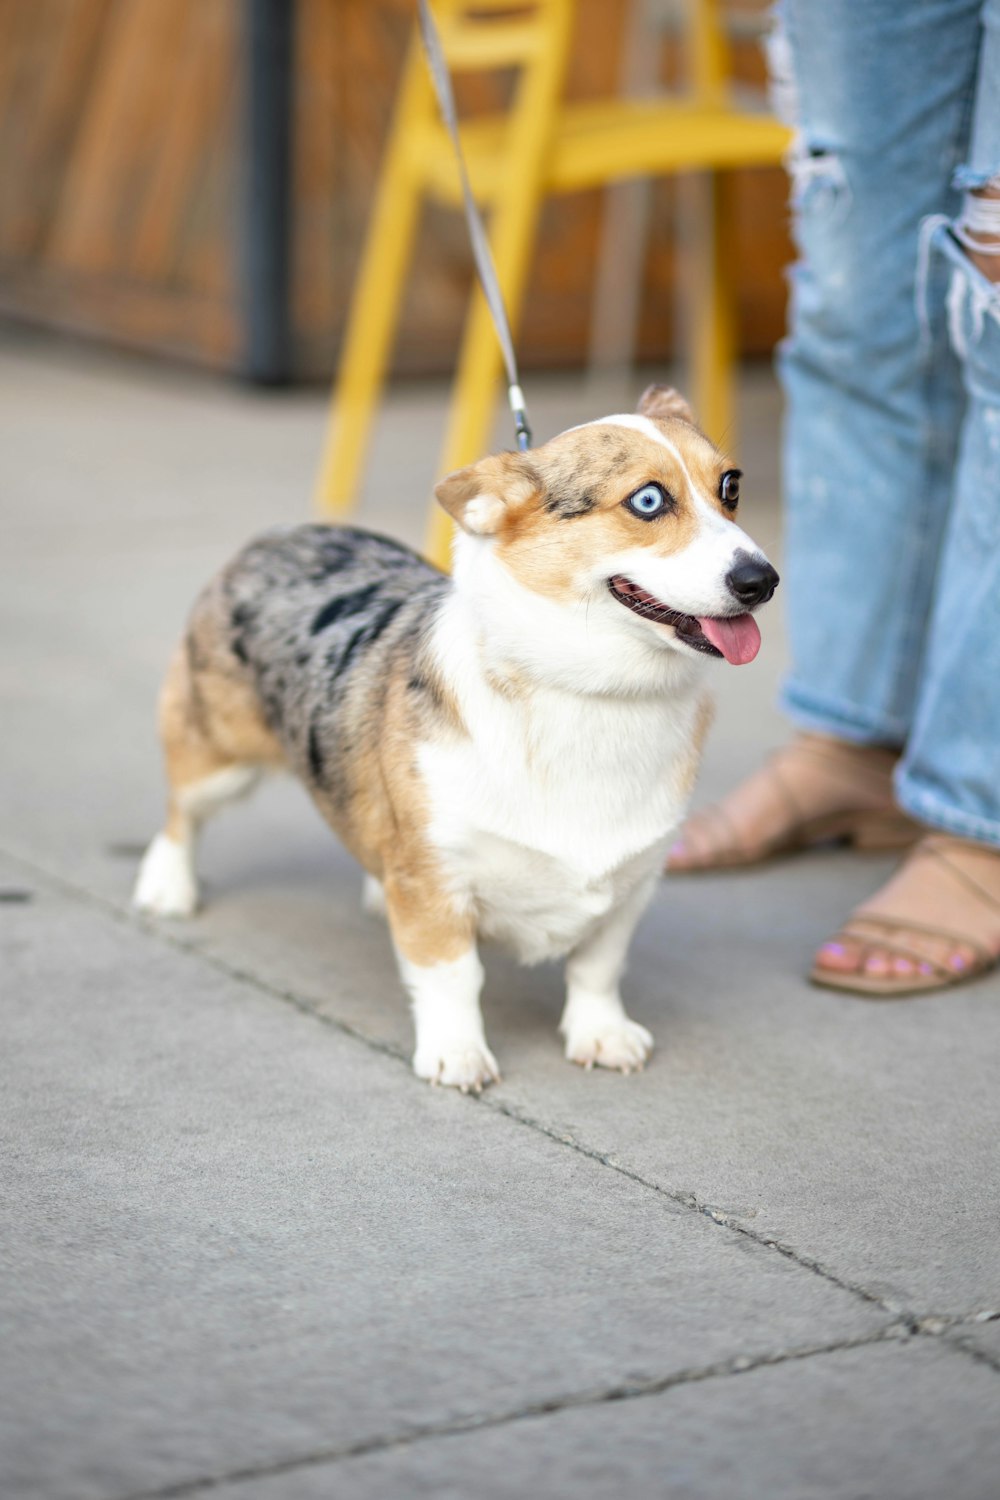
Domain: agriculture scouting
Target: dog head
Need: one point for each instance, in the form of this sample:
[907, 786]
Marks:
[632, 516]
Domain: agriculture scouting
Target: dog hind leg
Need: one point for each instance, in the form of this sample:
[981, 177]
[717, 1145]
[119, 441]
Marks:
[215, 747]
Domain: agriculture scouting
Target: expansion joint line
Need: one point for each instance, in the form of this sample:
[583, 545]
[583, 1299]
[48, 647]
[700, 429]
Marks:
[906, 1324]
[569, 1401]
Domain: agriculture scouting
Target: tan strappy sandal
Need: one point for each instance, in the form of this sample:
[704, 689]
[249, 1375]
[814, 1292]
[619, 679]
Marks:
[813, 791]
[882, 930]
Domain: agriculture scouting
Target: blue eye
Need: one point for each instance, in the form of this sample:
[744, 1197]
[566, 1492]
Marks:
[649, 502]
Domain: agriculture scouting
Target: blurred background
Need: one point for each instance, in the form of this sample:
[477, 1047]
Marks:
[193, 179]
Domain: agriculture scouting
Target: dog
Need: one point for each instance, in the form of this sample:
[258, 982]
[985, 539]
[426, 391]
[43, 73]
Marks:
[507, 751]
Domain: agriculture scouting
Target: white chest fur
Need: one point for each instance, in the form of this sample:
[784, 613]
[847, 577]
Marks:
[557, 805]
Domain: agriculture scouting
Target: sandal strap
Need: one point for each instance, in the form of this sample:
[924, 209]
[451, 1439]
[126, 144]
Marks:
[899, 924]
[837, 760]
[772, 770]
[938, 847]
[886, 944]
[774, 773]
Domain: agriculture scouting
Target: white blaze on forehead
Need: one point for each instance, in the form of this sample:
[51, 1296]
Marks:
[649, 429]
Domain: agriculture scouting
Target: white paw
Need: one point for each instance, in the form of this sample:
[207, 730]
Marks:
[469, 1068]
[166, 884]
[623, 1044]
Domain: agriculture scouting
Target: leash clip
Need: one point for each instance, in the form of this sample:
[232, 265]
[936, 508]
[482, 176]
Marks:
[515, 400]
[481, 253]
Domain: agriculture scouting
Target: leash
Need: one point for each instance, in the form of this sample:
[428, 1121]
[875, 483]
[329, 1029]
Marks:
[441, 79]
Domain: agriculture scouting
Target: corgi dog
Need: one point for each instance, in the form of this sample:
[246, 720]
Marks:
[506, 751]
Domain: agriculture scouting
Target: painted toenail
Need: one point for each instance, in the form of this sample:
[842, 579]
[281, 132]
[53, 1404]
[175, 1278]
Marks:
[957, 961]
[902, 966]
[677, 849]
[926, 968]
[836, 950]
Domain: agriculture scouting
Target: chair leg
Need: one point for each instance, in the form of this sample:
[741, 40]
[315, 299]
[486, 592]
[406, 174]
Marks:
[713, 330]
[513, 222]
[374, 313]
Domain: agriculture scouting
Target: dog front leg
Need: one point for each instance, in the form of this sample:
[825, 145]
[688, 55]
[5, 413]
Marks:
[440, 969]
[594, 1023]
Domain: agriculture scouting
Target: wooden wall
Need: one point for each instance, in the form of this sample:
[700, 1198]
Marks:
[118, 137]
[121, 141]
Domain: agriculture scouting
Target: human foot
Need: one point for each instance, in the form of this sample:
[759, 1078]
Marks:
[815, 789]
[935, 924]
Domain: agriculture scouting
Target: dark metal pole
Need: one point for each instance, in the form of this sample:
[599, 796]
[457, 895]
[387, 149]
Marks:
[268, 188]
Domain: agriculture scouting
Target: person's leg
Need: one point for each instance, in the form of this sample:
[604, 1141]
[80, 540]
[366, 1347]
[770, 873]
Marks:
[949, 775]
[878, 94]
[873, 401]
[816, 789]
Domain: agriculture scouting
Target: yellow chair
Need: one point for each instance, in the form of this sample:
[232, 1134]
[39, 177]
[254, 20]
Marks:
[541, 145]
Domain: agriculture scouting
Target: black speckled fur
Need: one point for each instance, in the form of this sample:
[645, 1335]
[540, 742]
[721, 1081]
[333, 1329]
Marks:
[319, 616]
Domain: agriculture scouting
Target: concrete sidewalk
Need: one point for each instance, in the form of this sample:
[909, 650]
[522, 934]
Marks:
[245, 1253]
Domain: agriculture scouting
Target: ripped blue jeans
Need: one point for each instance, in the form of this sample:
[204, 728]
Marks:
[891, 373]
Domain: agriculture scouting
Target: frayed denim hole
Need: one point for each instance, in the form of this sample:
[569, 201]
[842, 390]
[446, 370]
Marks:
[966, 179]
[819, 182]
[968, 289]
[977, 226]
[972, 299]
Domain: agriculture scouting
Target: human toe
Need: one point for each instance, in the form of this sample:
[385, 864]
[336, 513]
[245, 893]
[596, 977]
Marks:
[840, 956]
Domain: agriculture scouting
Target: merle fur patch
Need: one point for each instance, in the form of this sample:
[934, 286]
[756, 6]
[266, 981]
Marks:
[568, 504]
[341, 606]
[315, 753]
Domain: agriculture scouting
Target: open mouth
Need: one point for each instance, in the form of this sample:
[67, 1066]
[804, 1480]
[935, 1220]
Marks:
[734, 637]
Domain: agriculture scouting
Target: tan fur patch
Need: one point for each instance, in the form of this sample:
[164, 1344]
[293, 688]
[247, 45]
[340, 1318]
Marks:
[441, 710]
[511, 684]
[480, 497]
[426, 926]
[209, 721]
[383, 821]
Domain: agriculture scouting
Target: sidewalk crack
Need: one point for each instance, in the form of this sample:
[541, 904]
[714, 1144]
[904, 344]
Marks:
[927, 1325]
[973, 1351]
[631, 1390]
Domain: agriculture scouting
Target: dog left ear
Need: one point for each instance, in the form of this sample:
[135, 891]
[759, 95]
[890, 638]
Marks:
[662, 401]
[480, 497]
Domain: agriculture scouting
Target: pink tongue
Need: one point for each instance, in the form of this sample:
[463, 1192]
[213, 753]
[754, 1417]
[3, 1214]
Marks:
[737, 638]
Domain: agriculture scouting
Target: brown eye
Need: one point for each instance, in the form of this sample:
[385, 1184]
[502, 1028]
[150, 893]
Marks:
[729, 489]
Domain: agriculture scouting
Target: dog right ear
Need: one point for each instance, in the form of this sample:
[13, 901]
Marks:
[481, 497]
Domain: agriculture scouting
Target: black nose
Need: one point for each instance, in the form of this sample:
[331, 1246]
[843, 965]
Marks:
[752, 581]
